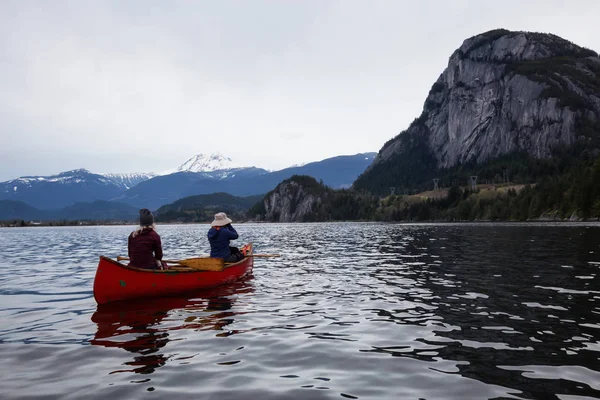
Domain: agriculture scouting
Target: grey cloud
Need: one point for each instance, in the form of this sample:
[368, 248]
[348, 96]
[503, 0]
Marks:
[143, 85]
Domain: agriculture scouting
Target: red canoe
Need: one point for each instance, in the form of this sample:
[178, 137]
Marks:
[115, 281]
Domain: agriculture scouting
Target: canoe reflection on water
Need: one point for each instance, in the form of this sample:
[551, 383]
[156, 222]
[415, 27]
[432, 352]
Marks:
[143, 326]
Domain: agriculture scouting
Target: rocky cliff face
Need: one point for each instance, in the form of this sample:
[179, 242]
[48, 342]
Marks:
[302, 199]
[504, 92]
[291, 201]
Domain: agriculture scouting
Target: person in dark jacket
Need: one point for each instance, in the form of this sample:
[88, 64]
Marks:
[144, 245]
[219, 235]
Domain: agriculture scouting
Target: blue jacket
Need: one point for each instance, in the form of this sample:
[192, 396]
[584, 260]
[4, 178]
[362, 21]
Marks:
[219, 238]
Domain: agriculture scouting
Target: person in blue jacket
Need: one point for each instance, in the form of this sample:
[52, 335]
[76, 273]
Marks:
[219, 235]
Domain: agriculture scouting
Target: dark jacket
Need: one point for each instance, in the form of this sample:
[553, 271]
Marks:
[144, 249]
[219, 237]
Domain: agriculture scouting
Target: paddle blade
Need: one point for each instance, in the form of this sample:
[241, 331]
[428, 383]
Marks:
[203, 264]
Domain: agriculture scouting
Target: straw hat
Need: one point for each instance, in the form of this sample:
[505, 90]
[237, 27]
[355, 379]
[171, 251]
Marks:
[220, 220]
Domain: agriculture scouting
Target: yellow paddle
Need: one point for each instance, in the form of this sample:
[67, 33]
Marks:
[199, 263]
[204, 263]
[121, 258]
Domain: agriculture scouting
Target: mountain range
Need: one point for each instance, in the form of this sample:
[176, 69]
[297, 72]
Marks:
[510, 106]
[69, 187]
[337, 172]
[201, 174]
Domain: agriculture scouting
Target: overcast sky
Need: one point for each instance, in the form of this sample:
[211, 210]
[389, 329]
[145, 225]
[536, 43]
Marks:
[141, 86]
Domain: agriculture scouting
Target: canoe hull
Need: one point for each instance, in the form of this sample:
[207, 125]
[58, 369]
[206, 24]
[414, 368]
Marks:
[116, 282]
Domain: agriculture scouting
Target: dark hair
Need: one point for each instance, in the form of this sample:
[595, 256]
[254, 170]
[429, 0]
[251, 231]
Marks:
[146, 217]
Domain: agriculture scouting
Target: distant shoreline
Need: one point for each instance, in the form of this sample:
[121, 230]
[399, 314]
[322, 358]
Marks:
[480, 222]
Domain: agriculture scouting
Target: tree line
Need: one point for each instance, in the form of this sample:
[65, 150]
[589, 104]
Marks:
[563, 188]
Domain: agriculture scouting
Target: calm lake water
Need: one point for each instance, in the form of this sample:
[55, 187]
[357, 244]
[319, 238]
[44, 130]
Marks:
[350, 310]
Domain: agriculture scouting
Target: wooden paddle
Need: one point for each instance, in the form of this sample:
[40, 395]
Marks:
[122, 258]
[199, 263]
[204, 263]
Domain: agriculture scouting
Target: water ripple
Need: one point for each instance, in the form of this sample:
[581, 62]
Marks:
[351, 310]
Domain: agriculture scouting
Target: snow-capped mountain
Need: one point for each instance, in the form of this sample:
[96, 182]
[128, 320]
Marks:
[201, 174]
[67, 177]
[81, 185]
[60, 190]
[205, 163]
[337, 172]
[127, 181]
